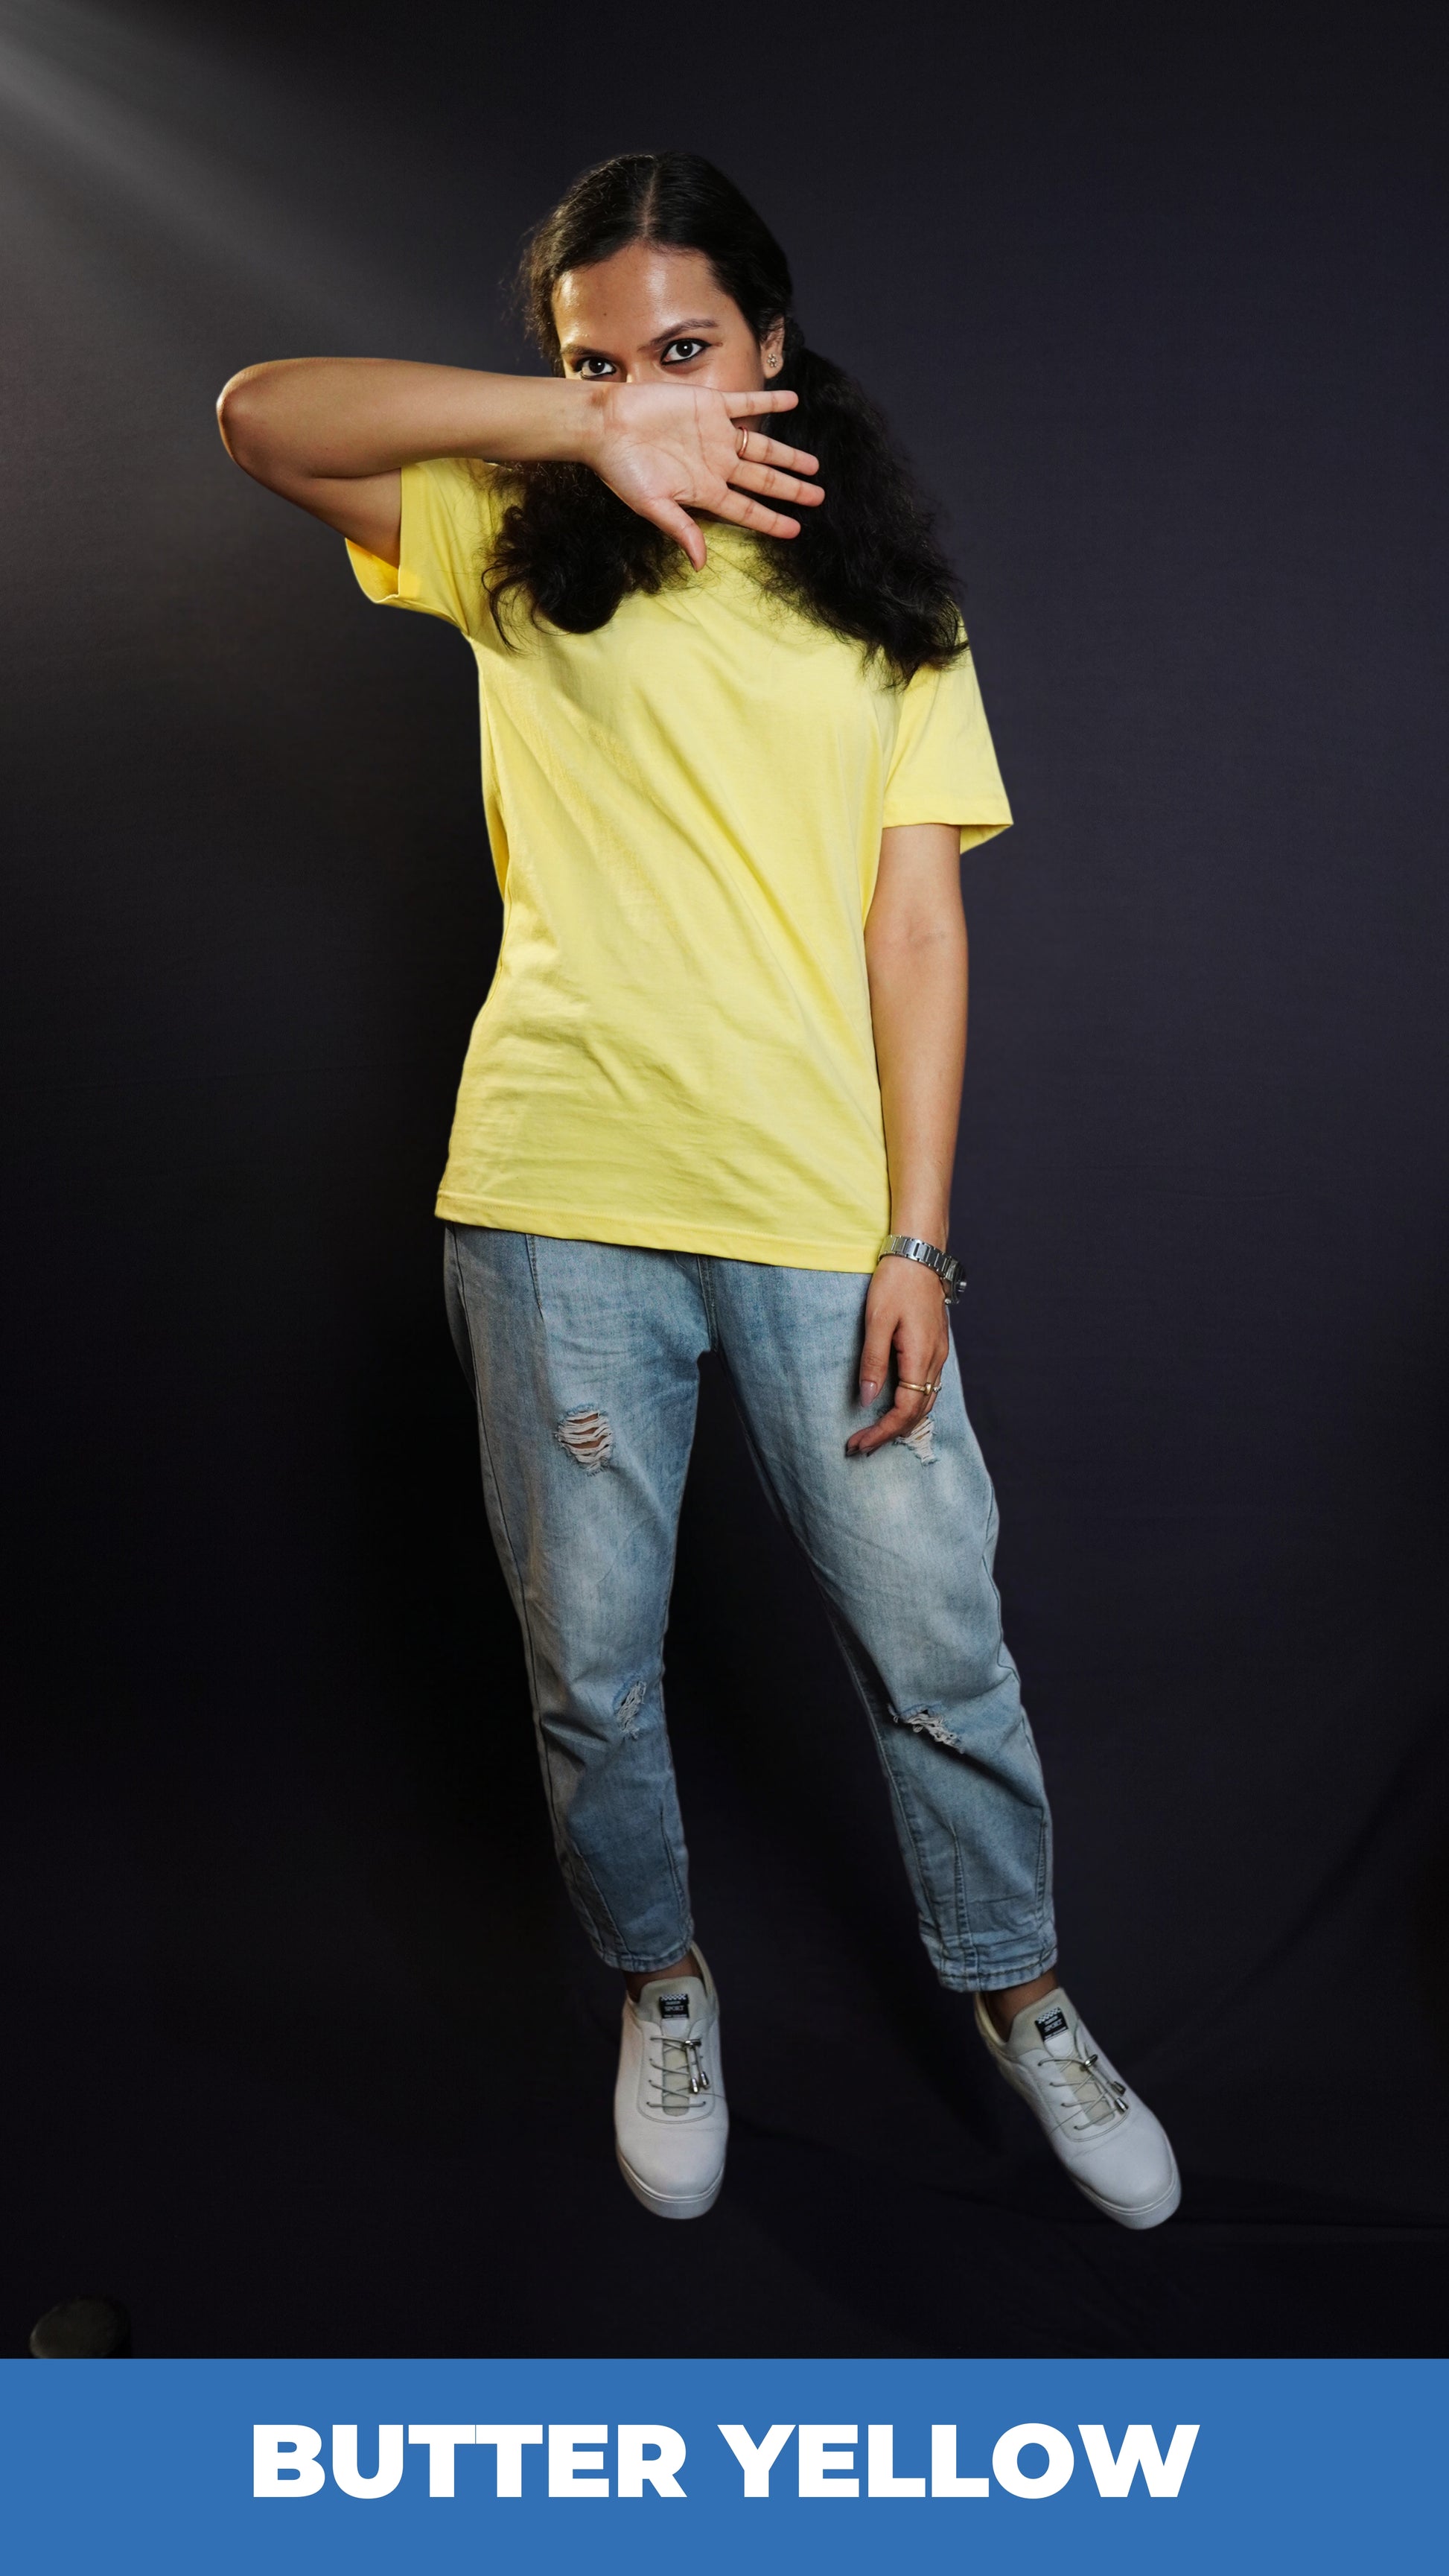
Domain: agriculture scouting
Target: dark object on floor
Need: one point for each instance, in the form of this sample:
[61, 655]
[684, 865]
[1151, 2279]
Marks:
[82, 2330]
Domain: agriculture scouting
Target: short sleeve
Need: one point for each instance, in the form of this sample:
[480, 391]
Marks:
[944, 768]
[451, 507]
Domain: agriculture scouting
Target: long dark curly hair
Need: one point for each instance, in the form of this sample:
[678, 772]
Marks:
[865, 564]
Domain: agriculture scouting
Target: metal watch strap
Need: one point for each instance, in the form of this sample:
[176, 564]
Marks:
[909, 1247]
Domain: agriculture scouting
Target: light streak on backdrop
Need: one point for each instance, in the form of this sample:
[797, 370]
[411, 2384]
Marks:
[228, 165]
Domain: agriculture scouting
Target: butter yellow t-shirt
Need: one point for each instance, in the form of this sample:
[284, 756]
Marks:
[685, 810]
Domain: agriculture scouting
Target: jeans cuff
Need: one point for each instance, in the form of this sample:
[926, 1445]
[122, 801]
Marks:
[632, 1963]
[983, 1977]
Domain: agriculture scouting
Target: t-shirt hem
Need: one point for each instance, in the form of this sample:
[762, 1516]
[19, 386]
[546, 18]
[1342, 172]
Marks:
[983, 826]
[645, 1234]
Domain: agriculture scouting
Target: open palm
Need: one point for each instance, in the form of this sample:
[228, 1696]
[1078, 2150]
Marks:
[670, 449]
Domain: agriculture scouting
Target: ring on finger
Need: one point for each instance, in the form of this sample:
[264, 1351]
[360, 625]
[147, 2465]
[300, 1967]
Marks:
[917, 1388]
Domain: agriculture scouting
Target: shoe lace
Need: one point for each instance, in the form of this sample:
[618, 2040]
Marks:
[1079, 2077]
[677, 2067]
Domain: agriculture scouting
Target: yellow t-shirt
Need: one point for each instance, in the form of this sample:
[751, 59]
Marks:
[685, 809]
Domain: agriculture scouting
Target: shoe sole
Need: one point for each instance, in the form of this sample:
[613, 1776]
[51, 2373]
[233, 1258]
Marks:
[663, 2204]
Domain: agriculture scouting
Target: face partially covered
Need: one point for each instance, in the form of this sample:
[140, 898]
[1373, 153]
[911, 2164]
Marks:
[656, 316]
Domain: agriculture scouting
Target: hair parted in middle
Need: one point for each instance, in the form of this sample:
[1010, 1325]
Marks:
[866, 563]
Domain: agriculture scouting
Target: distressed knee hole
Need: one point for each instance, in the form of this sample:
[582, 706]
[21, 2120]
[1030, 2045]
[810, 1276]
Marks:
[921, 1441]
[588, 1439]
[925, 1721]
[626, 1710]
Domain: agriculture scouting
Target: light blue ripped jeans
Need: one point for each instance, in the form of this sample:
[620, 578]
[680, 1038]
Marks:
[584, 1359]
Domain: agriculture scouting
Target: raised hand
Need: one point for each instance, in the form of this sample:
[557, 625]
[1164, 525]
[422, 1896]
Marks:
[670, 449]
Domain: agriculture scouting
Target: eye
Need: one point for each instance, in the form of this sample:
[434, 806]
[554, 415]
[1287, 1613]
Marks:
[680, 352]
[594, 368]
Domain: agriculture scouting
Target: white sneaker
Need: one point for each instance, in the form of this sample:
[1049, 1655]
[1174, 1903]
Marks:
[1111, 2144]
[670, 2120]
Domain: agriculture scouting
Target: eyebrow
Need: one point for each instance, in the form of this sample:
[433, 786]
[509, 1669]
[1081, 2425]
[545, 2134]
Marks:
[661, 340]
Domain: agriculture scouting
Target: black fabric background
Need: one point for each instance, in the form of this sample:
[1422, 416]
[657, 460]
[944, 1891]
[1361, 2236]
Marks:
[304, 2053]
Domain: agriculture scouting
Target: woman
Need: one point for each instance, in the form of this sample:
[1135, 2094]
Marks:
[732, 750]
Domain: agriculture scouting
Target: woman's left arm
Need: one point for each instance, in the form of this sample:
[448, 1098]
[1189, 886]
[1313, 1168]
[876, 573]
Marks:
[915, 954]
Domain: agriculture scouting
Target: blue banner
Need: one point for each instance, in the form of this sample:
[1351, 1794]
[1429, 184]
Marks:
[210, 2466]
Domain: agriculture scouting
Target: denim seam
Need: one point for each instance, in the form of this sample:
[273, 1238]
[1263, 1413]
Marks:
[956, 1953]
[1003, 1659]
[629, 1960]
[631, 1964]
[961, 1949]
[532, 1252]
[963, 1909]
[767, 1482]
[568, 1859]
[921, 1890]
[704, 1273]
[1020, 1973]
[680, 1899]
[1045, 1923]
[880, 1739]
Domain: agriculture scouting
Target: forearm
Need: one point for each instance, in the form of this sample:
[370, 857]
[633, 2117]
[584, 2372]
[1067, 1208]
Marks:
[918, 980]
[295, 420]
[915, 955]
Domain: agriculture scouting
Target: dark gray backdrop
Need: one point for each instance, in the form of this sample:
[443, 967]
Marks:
[304, 2052]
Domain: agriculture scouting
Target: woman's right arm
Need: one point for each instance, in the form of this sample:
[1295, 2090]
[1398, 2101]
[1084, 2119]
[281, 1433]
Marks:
[332, 434]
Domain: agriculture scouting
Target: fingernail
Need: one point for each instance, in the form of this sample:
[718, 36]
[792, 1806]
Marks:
[868, 1386]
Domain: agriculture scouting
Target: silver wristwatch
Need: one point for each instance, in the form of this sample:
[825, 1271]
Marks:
[909, 1247]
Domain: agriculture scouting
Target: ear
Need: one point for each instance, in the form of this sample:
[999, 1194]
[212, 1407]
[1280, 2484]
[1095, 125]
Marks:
[772, 348]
